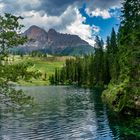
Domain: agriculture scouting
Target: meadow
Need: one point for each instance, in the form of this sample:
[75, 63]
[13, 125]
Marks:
[45, 65]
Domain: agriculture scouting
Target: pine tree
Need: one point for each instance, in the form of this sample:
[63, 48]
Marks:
[91, 71]
[98, 61]
[107, 76]
[127, 85]
[112, 52]
[113, 41]
[129, 41]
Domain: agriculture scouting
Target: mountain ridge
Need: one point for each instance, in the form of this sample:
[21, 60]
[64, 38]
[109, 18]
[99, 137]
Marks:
[53, 42]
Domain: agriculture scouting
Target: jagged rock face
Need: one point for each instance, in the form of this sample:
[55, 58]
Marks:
[51, 41]
[36, 33]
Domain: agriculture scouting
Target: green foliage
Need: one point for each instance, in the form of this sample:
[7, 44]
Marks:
[118, 96]
[10, 33]
[14, 72]
[78, 51]
[44, 65]
[10, 37]
[92, 70]
[82, 71]
[125, 92]
[13, 99]
[38, 54]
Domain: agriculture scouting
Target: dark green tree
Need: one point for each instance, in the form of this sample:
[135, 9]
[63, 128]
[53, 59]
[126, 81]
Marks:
[113, 42]
[127, 85]
[98, 61]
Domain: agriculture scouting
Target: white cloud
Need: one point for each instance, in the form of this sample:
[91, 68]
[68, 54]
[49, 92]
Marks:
[71, 22]
[56, 7]
[79, 28]
[98, 12]
[101, 8]
[96, 29]
[1, 6]
[46, 21]
[104, 4]
[62, 15]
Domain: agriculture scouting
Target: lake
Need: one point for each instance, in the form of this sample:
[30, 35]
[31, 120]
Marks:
[64, 113]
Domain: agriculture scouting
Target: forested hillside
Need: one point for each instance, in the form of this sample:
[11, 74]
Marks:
[116, 68]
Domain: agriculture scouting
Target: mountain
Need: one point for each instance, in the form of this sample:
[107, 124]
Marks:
[53, 42]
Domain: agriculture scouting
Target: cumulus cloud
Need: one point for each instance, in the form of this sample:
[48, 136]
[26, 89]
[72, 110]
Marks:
[71, 22]
[46, 21]
[56, 7]
[77, 27]
[98, 12]
[62, 15]
[103, 4]
[102, 8]
[1, 6]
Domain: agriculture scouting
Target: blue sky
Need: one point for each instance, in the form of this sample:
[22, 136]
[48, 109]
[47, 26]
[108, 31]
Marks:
[85, 18]
[105, 25]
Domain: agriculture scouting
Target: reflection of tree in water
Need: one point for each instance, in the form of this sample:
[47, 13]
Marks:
[63, 113]
[102, 116]
[118, 126]
[123, 126]
[11, 99]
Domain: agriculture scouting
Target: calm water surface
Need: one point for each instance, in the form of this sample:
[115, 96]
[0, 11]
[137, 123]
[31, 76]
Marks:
[63, 113]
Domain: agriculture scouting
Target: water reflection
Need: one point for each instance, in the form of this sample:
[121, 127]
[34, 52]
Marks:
[60, 113]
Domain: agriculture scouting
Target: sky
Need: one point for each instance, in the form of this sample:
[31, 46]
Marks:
[85, 18]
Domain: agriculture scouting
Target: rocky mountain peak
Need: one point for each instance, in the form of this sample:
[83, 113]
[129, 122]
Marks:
[34, 29]
[52, 41]
[36, 33]
[52, 31]
[52, 34]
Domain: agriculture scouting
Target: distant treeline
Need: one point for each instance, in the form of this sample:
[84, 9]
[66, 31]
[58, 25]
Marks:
[34, 53]
[95, 69]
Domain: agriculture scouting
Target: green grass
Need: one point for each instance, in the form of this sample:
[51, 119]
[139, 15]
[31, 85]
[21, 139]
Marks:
[43, 65]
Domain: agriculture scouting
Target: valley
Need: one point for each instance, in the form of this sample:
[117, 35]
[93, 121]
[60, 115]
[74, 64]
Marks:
[70, 70]
[45, 65]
